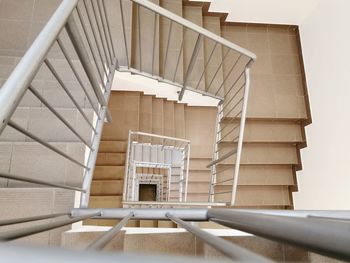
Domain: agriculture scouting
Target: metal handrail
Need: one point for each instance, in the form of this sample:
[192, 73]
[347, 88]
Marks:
[200, 30]
[15, 86]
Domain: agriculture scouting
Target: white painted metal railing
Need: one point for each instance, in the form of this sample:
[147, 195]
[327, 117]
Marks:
[165, 161]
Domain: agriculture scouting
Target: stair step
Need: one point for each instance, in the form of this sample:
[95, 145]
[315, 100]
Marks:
[112, 147]
[262, 153]
[179, 115]
[109, 172]
[169, 118]
[114, 159]
[258, 174]
[124, 108]
[146, 114]
[112, 201]
[157, 117]
[256, 195]
[106, 187]
[199, 176]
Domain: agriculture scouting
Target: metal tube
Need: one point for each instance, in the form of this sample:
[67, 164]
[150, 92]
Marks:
[126, 172]
[37, 139]
[167, 47]
[160, 79]
[191, 65]
[154, 40]
[234, 107]
[94, 34]
[104, 26]
[228, 75]
[234, 95]
[200, 30]
[215, 154]
[27, 231]
[21, 77]
[40, 182]
[222, 158]
[108, 27]
[84, 201]
[160, 136]
[178, 60]
[328, 237]
[207, 64]
[192, 214]
[139, 35]
[108, 59]
[187, 170]
[227, 134]
[14, 221]
[65, 53]
[101, 242]
[77, 42]
[90, 47]
[217, 70]
[42, 99]
[76, 104]
[229, 249]
[234, 84]
[124, 32]
[225, 181]
[241, 133]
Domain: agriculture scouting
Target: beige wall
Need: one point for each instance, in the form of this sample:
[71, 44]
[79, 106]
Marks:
[325, 179]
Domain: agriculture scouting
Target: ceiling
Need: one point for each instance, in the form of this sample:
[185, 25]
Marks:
[292, 12]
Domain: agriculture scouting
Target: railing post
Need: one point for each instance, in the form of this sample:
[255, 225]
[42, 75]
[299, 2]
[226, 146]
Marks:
[187, 169]
[241, 133]
[215, 153]
[79, 47]
[126, 172]
[191, 65]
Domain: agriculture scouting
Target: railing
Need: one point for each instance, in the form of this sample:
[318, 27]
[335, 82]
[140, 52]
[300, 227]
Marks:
[93, 74]
[163, 153]
[323, 232]
[224, 74]
[229, 133]
[89, 33]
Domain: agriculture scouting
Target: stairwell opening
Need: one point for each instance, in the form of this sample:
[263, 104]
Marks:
[148, 192]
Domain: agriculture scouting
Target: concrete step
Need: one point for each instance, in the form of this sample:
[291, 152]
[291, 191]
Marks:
[112, 201]
[199, 176]
[200, 130]
[265, 130]
[179, 115]
[113, 147]
[106, 187]
[169, 118]
[124, 108]
[109, 172]
[261, 153]
[110, 159]
[199, 164]
[255, 195]
[258, 174]
[145, 115]
[157, 118]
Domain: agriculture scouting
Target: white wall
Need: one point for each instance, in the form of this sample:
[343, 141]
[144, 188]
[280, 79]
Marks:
[290, 12]
[324, 182]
